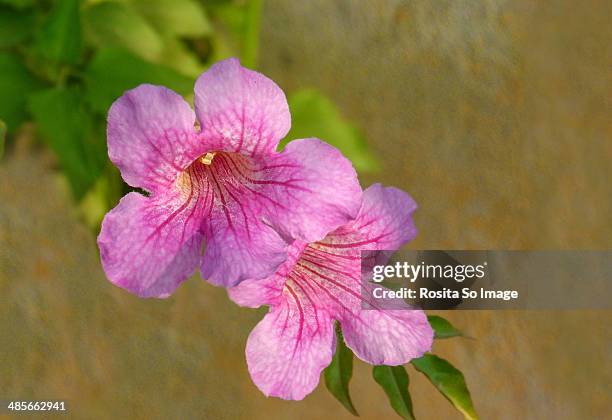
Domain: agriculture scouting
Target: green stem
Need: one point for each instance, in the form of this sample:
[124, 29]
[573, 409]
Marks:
[250, 42]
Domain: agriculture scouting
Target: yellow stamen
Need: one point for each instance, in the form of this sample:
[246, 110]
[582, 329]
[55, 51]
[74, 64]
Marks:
[207, 158]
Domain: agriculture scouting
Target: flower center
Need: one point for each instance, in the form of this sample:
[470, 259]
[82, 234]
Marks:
[229, 175]
[207, 158]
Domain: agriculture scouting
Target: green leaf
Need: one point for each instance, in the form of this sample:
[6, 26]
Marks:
[113, 71]
[176, 17]
[314, 115]
[18, 4]
[394, 381]
[15, 84]
[449, 381]
[2, 137]
[15, 26]
[442, 328]
[231, 15]
[60, 37]
[65, 124]
[338, 374]
[181, 58]
[235, 18]
[103, 196]
[111, 24]
[222, 49]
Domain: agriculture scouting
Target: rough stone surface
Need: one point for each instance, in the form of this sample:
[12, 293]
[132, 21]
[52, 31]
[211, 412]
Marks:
[495, 115]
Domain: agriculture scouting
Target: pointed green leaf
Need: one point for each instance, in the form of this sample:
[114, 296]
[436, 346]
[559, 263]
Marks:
[175, 17]
[65, 124]
[111, 24]
[394, 381]
[314, 115]
[449, 381]
[114, 71]
[15, 84]
[338, 374]
[2, 137]
[442, 328]
[60, 37]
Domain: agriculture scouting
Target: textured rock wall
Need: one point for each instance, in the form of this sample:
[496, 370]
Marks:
[495, 115]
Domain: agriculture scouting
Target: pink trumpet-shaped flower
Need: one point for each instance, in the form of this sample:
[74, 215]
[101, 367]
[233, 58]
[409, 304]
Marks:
[218, 182]
[321, 283]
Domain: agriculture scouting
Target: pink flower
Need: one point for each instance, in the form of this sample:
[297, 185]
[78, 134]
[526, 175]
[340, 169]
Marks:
[223, 185]
[320, 283]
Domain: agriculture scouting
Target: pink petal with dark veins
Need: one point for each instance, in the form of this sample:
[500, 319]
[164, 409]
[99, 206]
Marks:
[149, 245]
[290, 347]
[311, 189]
[240, 110]
[151, 137]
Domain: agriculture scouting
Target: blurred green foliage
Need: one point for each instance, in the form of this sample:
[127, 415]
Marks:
[2, 137]
[68, 128]
[16, 84]
[59, 39]
[15, 26]
[112, 71]
[314, 115]
[63, 63]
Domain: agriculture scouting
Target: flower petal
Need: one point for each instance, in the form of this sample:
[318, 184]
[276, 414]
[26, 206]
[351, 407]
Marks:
[151, 136]
[384, 222]
[240, 110]
[289, 348]
[333, 265]
[311, 189]
[331, 268]
[239, 246]
[150, 245]
[253, 293]
[388, 337]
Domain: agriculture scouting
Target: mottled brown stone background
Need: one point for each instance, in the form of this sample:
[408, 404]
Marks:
[494, 115]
